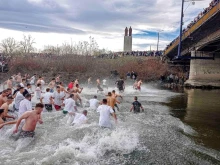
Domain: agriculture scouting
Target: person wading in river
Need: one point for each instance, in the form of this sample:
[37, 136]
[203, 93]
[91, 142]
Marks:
[31, 120]
[105, 112]
[136, 106]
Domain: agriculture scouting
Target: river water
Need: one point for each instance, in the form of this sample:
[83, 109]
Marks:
[176, 128]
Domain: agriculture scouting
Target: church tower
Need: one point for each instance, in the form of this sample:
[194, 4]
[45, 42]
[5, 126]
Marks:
[128, 40]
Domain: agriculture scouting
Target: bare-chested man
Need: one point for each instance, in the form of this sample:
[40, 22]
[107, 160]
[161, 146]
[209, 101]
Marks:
[38, 80]
[52, 85]
[77, 89]
[3, 97]
[99, 85]
[115, 95]
[18, 78]
[2, 122]
[5, 106]
[111, 101]
[31, 120]
[139, 85]
[57, 80]
[9, 83]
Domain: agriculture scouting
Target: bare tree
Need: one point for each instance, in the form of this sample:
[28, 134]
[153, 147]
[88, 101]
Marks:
[27, 44]
[9, 45]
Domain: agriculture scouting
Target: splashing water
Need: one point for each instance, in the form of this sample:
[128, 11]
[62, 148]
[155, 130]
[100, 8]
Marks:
[152, 137]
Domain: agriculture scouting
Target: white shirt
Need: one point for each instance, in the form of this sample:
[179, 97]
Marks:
[25, 105]
[46, 98]
[93, 104]
[29, 90]
[57, 98]
[38, 92]
[42, 82]
[104, 82]
[69, 105]
[104, 119]
[21, 84]
[32, 80]
[79, 118]
[19, 97]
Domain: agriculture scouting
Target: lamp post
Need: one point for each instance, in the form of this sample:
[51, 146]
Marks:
[181, 25]
[158, 39]
[181, 29]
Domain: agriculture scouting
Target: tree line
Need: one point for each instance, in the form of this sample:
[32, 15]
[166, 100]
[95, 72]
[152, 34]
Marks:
[11, 47]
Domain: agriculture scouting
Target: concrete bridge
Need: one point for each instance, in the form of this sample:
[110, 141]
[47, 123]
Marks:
[201, 45]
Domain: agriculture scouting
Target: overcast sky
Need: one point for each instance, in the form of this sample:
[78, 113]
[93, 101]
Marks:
[52, 22]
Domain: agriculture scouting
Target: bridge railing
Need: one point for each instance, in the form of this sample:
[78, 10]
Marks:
[200, 22]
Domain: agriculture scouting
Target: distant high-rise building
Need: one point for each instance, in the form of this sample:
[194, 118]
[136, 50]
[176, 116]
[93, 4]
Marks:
[128, 40]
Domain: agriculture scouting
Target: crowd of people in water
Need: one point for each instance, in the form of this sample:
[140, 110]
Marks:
[212, 4]
[54, 96]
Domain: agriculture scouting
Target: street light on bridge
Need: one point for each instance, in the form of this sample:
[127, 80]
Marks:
[181, 25]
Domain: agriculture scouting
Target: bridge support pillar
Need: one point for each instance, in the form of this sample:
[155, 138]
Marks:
[203, 72]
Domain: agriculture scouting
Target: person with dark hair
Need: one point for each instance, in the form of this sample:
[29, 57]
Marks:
[77, 89]
[38, 91]
[79, 118]
[47, 100]
[136, 106]
[28, 89]
[70, 105]
[25, 105]
[120, 84]
[115, 95]
[3, 97]
[58, 97]
[15, 91]
[111, 101]
[5, 106]
[99, 85]
[2, 122]
[19, 97]
[105, 113]
[94, 103]
[31, 120]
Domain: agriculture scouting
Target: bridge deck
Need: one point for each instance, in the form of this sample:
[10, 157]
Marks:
[196, 26]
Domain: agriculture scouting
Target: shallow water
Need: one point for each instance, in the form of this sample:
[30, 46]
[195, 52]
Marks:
[166, 133]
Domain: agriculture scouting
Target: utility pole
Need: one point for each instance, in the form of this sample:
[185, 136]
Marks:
[181, 29]
[158, 40]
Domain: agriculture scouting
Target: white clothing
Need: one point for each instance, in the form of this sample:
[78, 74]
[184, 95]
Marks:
[21, 84]
[104, 119]
[58, 98]
[38, 92]
[69, 105]
[46, 98]
[25, 105]
[104, 82]
[79, 118]
[19, 97]
[32, 80]
[29, 90]
[93, 104]
[42, 82]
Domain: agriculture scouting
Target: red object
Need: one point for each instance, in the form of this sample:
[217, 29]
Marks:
[57, 107]
[70, 86]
